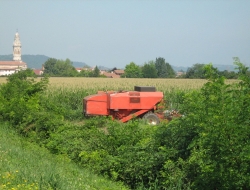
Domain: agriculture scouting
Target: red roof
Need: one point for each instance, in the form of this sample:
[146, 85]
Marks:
[8, 68]
[111, 75]
[119, 72]
[12, 63]
[38, 71]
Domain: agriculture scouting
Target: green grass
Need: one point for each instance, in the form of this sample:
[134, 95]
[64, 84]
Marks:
[26, 166]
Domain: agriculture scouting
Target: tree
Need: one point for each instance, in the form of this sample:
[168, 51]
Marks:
[84, 73]
[229, 74]
[65, 68]
[54, 67]
[96, 72]
[196, 71]
[132, 71]
[49, 67]
[164, 70]
[90, 73]
[20, 97]
[161, 67]
[209, 147]
[170, 71]
[30, 72]
[149, 70]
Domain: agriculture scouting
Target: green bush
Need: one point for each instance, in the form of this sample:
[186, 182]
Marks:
[20, 97]
[66, 102]
[209, 147]
[25, 165]
[122, 152]
[206, 148]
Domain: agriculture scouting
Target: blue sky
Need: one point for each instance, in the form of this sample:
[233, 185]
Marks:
[113, 33]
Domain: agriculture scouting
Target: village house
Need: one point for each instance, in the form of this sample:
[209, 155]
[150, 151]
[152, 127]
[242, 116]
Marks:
[118, 72]
[10, 67]
[78, 69]
[179, 74]
[110, 75]
[38, 71]
[115, 73]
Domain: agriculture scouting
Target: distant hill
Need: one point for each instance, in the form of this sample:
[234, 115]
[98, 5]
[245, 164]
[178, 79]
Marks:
[179, 68]
[33, 61]
[36, 61]
[219, 67]
[103, 68]
[225, 67]
[79, 64]
[6, 57]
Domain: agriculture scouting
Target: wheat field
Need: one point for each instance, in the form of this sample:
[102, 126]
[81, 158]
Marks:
[125, 83]
[122, 83]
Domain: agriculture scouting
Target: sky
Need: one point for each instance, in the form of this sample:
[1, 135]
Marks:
[113, 33]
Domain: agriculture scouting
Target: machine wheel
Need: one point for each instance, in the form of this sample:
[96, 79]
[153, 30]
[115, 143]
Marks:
[151, 118]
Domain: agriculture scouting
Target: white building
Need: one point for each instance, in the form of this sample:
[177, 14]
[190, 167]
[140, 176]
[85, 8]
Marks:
[10, 67]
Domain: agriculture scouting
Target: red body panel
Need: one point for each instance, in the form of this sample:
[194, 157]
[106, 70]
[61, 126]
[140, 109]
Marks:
[96, 104]
[135, 100]
[121, 105]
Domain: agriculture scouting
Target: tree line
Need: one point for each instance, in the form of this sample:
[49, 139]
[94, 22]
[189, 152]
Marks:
[197, 71]
[65, 68]
[151, 69]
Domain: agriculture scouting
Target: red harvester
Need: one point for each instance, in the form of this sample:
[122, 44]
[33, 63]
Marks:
[143, 102]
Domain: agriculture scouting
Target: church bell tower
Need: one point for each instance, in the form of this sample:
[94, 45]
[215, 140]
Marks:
[17, 48]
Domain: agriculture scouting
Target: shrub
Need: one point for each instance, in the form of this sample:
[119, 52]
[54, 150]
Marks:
[20, 97]
[209, 147]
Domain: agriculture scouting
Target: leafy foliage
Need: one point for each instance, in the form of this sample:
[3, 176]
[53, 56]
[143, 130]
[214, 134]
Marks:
[90, 73]
[157, 69]
[49, 66]
[25, 165]
[229, 74]
[196, 71]
[96, 72]
[164, 70]
[54, 67]
[132, 71]
[149, 70]
[20, 97]
[210, 146]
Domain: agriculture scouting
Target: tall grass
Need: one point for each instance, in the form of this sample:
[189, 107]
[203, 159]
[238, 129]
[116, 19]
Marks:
[26, 166]
[94, 84]
[125, 83]
[64, 95]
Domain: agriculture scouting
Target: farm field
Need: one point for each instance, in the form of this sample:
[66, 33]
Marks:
[126, 83]
[123, 83]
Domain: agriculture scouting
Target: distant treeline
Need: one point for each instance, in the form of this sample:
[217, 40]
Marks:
[152, 69]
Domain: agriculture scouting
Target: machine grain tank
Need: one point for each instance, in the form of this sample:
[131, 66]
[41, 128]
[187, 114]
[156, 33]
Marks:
[143, 101]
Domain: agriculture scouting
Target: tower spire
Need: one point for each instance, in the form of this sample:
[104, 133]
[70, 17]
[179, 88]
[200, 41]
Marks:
[17, 48]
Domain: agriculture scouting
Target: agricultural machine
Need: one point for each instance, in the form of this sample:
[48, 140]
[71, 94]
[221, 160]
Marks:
[144, 102]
